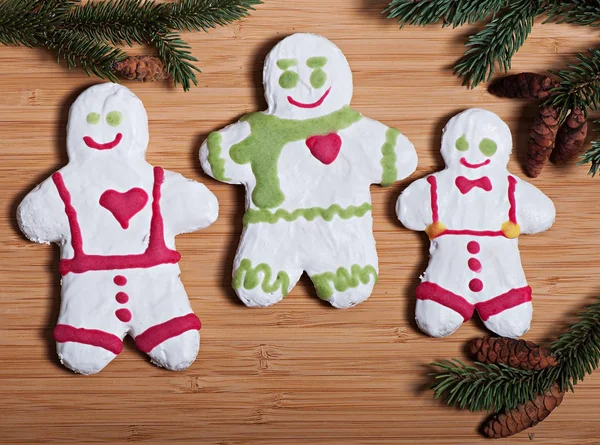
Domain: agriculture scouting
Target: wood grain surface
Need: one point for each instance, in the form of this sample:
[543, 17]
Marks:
[299, 372]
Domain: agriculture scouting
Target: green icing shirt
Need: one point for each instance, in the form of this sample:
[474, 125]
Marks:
[268, 135]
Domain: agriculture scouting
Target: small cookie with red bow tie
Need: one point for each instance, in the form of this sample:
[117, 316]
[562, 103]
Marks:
[307, 163]
[473, 212]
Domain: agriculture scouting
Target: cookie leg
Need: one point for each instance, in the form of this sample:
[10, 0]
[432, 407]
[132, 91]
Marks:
[509, 314]
[440, 312]
[173, 344]
[345, 286]
[85, 351]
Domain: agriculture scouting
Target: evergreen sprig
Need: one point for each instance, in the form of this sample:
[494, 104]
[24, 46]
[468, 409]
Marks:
[88, 34]
[507, 24]
[497, 42]
[593, 155]
[579, 84]
[500, 388]
[451, 12]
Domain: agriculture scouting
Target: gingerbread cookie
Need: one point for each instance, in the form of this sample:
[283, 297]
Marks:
[115, 218]
[473, 212]
[307, 164]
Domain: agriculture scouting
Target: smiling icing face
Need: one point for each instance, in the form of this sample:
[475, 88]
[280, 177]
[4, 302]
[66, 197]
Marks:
[305, 76]
[106, 120]
[476, 139]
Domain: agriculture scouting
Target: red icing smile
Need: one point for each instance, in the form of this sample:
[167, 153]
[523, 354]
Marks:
[313, 105]
[106, 146]
[464, 162]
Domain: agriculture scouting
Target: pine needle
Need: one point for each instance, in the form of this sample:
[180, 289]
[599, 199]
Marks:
[592, 155]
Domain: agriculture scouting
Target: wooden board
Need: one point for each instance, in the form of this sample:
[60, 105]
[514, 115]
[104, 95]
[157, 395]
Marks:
[299, 372]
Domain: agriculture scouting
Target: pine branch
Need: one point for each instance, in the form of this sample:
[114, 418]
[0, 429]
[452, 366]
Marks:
[579, 85]
[177, 58]
[196, 15]
[578, 349]
[580, 12]
[497, 42]
[79, 50]
[592, 155]
[486, 387]
[20, 22]
[451, 12]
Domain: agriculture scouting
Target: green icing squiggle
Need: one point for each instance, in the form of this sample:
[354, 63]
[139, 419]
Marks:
[342, 279]
[248, 277]
[268, 135]
[217, 163]
[388, 161]
[257, 216]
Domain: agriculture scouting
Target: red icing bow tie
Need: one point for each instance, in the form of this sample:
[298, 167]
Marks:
[466, 185]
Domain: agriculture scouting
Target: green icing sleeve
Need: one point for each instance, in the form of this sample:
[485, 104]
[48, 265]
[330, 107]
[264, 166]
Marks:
[388, 159]
[217, 163]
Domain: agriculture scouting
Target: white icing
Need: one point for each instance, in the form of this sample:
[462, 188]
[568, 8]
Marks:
[156, 294]
[316, 246]
[475, 210]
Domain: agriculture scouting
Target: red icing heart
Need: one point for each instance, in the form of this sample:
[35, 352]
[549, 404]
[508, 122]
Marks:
[124, 206]
[325, 148]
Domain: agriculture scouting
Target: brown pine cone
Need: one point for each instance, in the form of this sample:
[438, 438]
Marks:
[525, 415]
[523, 85]
[516, 353]
[142, 68]
[570, 137]
[541, 140]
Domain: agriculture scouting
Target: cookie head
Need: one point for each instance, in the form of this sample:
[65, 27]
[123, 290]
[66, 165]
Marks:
[106, 120]
[306, 76]
[476, 139]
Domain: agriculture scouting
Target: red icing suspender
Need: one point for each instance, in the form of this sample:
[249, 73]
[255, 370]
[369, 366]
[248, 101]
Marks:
[512, 213]
[156, 253]
[434, 198]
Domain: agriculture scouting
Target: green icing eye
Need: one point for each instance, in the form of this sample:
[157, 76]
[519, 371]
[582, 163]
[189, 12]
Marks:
[316, 62]
[114, 118]
[487, 147]
[285, 64]
[93, 118]
[318, 78]
[462, 144]
[289, 79]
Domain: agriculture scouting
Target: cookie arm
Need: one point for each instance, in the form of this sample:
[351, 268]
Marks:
[535, 211]
[398, 157]
[187, 205]
[414, 206]
[215, 158]
[41, 215]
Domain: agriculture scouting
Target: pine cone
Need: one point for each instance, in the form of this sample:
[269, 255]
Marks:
[525, 415]
[141, 68]
[516, 353]
[570, 137]
[523, 85]
[541, 140]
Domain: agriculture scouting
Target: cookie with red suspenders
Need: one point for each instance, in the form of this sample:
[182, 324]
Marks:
[115, 218]
[473, 212]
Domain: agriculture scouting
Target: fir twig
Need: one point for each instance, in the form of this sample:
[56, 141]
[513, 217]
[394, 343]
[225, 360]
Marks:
[196, 15]
[177, 58]
[592, 155]
[579, 85]
[21, 22]
[451, 12]
[485, 387]
[500, 39]
[580, 12]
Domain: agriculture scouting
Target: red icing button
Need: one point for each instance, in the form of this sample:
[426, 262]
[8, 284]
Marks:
[473, 247]
[120, 280]
[123, 314]
[122, 297]
[476, 285]
[475, 265]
